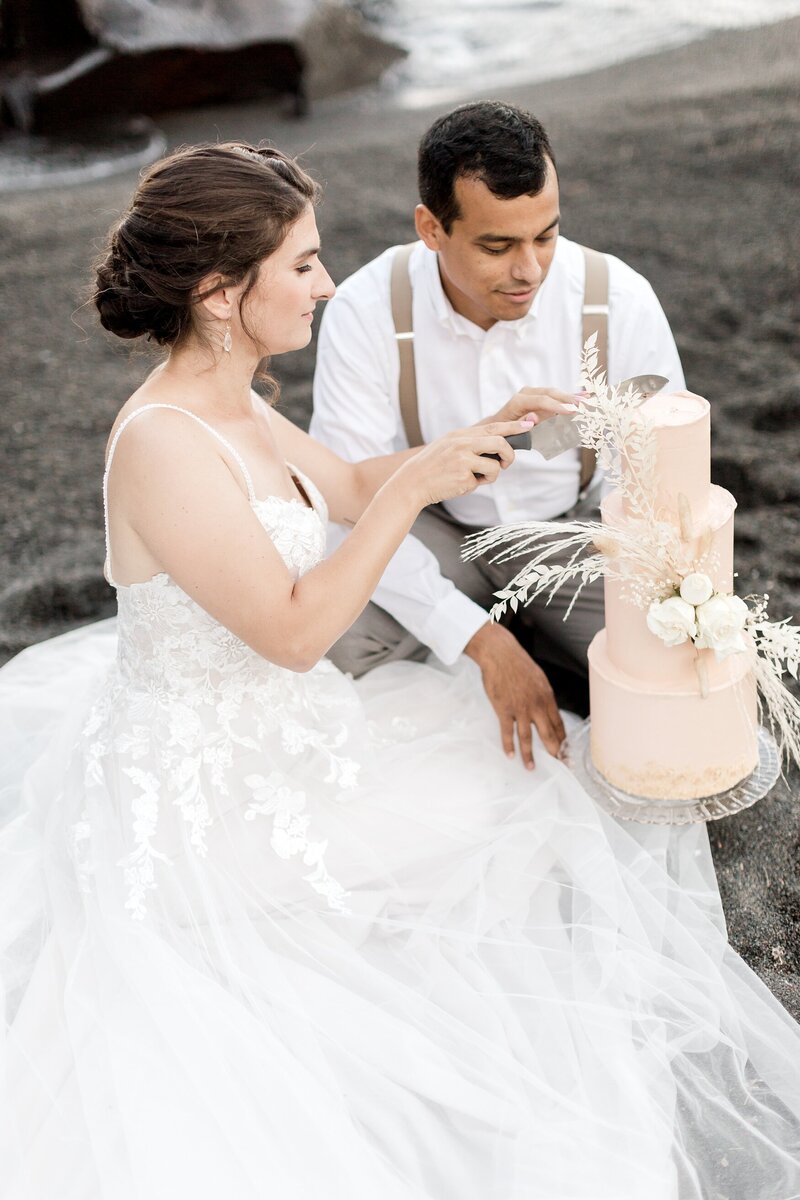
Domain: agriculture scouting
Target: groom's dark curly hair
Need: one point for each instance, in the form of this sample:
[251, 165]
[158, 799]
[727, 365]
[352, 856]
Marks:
[503, 146]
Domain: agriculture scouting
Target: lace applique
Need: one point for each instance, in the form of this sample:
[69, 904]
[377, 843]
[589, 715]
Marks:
[295, 530]
[187, 699]
[274, 797]
[139, 867]
[79, 839]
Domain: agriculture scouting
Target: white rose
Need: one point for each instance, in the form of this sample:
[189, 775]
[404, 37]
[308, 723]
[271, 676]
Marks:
[697, 588]
[720, 622]
[672, 620]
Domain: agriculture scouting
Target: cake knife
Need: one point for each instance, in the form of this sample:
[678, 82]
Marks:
[557, 434]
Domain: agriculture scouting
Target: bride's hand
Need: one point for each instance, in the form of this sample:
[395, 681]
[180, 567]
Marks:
[537, 402]
[455, 464]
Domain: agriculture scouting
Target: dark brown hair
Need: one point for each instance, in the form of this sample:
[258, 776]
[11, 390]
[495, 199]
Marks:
[205, 209]
[503, 146]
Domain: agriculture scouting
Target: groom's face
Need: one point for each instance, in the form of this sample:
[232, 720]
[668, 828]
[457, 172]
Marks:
[497, 253]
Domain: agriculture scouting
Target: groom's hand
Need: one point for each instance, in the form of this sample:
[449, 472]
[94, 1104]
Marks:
[541, 402]
[518, 689]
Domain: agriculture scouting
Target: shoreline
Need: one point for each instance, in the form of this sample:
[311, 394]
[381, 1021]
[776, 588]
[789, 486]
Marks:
[683, 163]
[429, 98]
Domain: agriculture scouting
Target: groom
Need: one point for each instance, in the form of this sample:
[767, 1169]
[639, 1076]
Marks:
[496, 307]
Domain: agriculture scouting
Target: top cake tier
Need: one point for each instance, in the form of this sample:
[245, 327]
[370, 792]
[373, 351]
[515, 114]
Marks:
[682, 426]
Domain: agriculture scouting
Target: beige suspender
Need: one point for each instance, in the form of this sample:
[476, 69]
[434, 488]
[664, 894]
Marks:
[404, 332]
[595, 319]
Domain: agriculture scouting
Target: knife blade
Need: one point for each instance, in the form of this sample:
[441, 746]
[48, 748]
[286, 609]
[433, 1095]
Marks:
[557, 434]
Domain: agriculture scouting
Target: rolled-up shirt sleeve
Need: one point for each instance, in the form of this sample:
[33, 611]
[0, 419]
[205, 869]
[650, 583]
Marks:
[356, 414]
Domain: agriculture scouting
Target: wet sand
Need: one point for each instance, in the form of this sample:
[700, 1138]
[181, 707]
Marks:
[685, 164]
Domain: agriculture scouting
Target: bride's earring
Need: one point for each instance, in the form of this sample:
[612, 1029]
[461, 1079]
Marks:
[227, 341]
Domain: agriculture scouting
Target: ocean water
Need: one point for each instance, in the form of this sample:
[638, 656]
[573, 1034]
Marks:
[461, 46]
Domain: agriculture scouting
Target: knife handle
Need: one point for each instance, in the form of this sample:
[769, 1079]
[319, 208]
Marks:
[517, 441]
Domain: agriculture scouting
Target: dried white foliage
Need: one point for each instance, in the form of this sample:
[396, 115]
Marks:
[777, 645]
[646, 554]
[611, 424]
[584, 551]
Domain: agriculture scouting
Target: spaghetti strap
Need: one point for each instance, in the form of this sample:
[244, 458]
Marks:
[251, 495]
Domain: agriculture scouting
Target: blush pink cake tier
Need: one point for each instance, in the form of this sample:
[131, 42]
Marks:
[653, 733]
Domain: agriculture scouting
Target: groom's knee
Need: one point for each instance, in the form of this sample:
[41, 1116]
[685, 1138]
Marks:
[373, 639]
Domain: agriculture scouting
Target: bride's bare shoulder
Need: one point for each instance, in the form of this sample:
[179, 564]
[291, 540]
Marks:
[149, 392]
[159, 403]
[162, 449]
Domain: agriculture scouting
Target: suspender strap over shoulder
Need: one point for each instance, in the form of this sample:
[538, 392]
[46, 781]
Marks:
[404, 332]
[595, 302]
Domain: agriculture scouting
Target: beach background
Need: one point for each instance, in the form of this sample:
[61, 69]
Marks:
[683, 160]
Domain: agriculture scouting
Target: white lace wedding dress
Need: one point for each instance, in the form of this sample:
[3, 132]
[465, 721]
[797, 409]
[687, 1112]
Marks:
[267, 934]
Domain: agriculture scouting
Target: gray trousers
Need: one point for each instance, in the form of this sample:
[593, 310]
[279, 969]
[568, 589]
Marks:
[376, 637]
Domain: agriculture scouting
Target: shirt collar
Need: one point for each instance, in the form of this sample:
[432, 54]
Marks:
[458, 325]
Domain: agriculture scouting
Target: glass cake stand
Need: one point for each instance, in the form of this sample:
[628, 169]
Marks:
[576, 753]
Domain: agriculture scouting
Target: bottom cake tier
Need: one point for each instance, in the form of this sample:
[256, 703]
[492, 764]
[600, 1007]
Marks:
[671, 744]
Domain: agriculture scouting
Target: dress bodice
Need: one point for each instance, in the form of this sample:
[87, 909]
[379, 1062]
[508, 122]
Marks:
[166, 640]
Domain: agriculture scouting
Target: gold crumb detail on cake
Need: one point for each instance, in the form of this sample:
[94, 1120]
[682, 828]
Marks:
[655, 781]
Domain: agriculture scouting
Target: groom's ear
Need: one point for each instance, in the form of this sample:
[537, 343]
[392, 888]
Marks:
[429, 228]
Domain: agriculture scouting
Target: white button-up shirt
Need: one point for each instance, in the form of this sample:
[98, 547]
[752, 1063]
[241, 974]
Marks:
[466, 374]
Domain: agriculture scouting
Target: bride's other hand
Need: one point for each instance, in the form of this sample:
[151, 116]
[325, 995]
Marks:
[456, 464]
[538, 402]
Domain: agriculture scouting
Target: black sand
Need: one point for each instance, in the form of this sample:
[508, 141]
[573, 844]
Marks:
[685, 164]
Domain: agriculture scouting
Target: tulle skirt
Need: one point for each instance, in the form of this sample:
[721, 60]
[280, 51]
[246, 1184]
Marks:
[440, 977]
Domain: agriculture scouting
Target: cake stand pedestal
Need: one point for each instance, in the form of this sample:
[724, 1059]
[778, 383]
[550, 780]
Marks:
[576, 753]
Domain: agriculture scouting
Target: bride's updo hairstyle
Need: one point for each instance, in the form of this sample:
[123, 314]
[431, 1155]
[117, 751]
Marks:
[204, 210]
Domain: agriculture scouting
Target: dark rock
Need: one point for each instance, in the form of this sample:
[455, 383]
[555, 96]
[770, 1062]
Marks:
[342, 52]
[150, 83]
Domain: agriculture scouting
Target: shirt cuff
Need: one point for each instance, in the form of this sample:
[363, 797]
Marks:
[451, 625]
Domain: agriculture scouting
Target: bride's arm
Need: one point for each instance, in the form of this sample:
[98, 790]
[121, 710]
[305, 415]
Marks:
[179, 497]
[347, 487]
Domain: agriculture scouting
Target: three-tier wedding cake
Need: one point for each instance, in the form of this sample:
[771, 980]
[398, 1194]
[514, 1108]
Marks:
[672, 721]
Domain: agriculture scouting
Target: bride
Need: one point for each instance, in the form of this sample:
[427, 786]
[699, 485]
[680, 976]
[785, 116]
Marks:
[265, 932]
